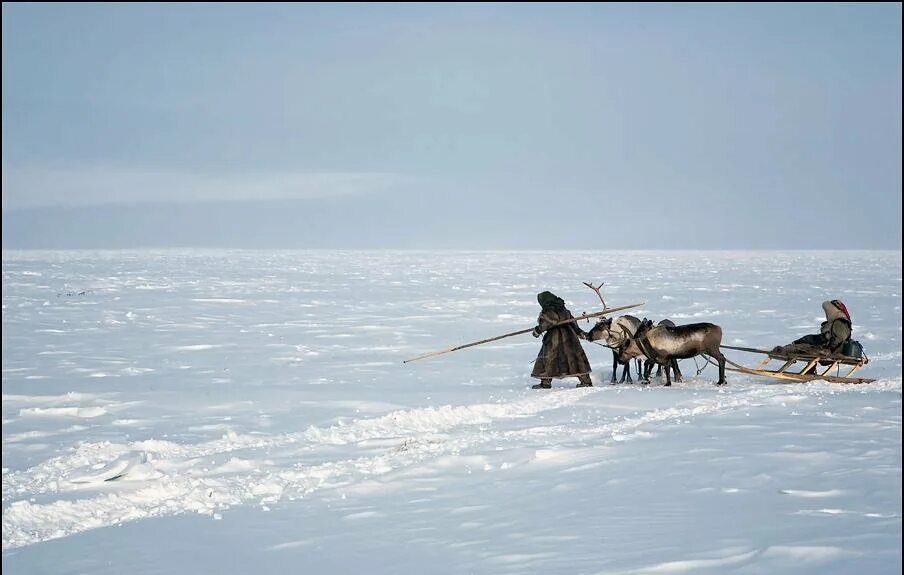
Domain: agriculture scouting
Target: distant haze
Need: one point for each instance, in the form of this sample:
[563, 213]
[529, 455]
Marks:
[480, 126]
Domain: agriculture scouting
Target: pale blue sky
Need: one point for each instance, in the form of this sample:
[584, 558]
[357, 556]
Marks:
[472, 126]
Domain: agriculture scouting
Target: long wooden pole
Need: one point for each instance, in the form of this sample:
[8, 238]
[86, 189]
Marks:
[528, 330]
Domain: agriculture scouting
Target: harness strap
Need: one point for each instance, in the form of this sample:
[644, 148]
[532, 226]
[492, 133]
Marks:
[644, 344]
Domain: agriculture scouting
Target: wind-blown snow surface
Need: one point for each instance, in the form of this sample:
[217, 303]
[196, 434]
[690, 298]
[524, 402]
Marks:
[235, 412]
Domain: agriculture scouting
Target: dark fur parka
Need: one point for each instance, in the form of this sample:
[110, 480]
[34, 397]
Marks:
[561, 354]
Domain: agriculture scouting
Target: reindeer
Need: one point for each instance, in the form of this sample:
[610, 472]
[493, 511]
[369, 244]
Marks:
[616, 334]
[648, 364]
[663, 344]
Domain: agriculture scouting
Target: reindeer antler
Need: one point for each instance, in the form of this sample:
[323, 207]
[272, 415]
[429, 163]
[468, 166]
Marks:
[597, 290]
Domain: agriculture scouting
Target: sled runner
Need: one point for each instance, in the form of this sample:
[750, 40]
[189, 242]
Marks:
[814, 366]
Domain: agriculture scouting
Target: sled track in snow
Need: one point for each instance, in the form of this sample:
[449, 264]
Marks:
[410, 437]
[53, 475]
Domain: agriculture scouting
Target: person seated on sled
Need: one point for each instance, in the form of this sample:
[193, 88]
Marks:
[561, 354]
[835, 331]
[834, 334]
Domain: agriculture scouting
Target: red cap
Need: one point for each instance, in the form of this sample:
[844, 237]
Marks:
[842, 309]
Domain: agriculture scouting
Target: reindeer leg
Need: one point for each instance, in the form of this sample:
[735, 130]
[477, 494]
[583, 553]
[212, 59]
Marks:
[721, 359]
[678, 376]
[668, 378]
[647, 370]
[628, 371]
[614, 366]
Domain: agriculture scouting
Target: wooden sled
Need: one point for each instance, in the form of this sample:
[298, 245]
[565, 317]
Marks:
[811, 370]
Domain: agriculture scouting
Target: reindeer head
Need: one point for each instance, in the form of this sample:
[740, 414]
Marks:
[624, 348]
[601, 330]
[645, 326]
[615, 338]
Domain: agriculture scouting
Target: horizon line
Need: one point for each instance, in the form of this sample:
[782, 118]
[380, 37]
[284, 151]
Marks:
[443, 249]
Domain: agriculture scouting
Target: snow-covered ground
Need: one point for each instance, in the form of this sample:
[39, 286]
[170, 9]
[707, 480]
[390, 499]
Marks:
[249, 412]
